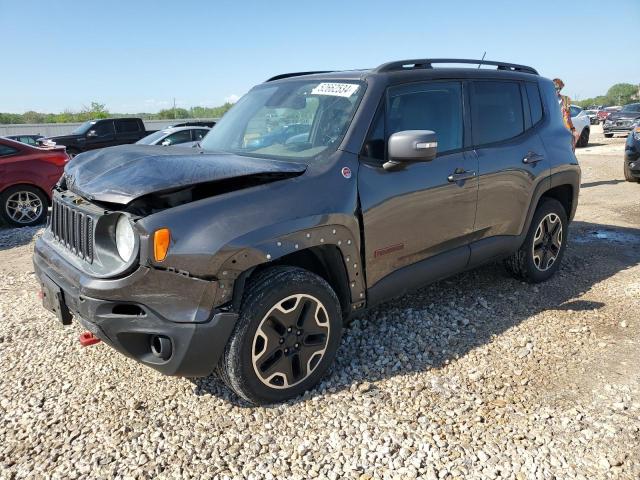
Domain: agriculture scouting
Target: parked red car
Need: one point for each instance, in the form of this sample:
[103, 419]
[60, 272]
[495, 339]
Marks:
[603, 114]
[27, 176]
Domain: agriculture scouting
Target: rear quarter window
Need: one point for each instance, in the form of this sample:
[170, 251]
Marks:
[535, 102]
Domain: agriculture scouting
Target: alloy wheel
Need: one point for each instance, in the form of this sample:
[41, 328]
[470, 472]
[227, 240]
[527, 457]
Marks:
[290, 341]
[547, 242]
[24, 207]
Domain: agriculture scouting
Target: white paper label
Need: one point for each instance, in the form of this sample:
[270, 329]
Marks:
[335, 89]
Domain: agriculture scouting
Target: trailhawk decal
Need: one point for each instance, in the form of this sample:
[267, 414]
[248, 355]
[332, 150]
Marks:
[335, 89]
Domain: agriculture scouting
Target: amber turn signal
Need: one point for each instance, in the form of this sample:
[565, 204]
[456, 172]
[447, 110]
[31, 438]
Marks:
[161, 240]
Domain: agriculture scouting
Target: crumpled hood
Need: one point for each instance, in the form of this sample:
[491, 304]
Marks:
[124, 173]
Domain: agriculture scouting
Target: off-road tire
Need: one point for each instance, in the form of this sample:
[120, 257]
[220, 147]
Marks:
[521, 264]
[262, 294]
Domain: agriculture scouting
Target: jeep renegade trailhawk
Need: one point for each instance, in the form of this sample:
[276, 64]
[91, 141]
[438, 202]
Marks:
[317, 195]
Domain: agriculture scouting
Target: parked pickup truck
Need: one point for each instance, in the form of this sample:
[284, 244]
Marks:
[102, 133]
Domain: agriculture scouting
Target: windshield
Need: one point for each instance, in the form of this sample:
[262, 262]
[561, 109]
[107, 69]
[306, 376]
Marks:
[296, 119]
[152, 138]
[632, 107]
[82, 129]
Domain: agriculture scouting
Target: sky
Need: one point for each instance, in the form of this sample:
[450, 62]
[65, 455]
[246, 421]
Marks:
[138, 55]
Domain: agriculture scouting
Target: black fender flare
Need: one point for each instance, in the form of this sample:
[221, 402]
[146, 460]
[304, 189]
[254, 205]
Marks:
[570, 177]
[238, 266]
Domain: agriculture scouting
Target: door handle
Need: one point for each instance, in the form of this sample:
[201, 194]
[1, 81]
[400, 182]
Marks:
[532, 158]
[460, 175]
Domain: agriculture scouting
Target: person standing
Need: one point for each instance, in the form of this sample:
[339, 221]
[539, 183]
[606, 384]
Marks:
[565, 107]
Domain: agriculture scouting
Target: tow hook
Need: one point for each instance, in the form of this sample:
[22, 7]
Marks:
[87, 339]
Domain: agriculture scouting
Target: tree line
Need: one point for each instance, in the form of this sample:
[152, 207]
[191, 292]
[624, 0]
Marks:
[98, 110]
[618, 94]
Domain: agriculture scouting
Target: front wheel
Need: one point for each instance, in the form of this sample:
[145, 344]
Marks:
[539, 257]
[287, 335]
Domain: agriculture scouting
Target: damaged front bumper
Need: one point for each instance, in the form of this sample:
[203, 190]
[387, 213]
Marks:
[160, 318]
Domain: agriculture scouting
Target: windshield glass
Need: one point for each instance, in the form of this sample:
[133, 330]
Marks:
[152, 138]
[82, 129]
[297, 119]
[632, 107]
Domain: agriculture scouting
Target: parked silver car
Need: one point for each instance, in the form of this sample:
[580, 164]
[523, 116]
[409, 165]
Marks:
[178, 136]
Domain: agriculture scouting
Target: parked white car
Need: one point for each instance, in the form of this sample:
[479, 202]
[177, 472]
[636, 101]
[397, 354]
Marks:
[582, 124]
[178, 136]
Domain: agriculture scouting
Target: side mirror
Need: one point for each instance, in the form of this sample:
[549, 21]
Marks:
[411, 146]
[91, 134]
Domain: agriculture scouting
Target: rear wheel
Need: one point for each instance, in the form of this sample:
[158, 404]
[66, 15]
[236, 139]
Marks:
[288, 331]
[23, 206]
[583, 140]
[540, 255]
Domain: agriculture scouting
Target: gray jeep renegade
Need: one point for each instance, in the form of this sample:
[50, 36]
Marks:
[318, 195]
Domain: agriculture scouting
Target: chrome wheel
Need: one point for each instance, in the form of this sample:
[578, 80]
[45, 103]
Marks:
[547, 242]
[290, 341]
[24, 207]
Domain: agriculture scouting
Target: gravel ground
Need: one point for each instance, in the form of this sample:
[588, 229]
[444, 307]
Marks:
[479, 376]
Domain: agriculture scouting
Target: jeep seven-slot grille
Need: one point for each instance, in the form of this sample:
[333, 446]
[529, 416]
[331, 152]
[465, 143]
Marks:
[73, 229]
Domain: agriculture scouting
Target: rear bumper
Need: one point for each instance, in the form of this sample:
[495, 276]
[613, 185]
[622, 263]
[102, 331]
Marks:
[129, 314]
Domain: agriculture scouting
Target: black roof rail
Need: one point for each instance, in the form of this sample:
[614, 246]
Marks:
[296, 74]
[428, 63]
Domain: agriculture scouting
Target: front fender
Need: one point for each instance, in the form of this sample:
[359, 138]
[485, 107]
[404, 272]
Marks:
[271, 244]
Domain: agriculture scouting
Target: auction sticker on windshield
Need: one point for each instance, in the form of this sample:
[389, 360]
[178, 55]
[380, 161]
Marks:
[335, 89]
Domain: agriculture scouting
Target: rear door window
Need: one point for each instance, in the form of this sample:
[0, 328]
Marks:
[127, 126]
[496, 111]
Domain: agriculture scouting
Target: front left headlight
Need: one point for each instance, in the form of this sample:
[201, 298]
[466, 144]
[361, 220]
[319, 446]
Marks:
[125, 238]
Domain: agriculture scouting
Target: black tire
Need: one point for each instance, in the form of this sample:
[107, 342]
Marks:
[14, 209]
[627, 174]
[608, 135]
[264, 298]
[526, 266]
[583, 140]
